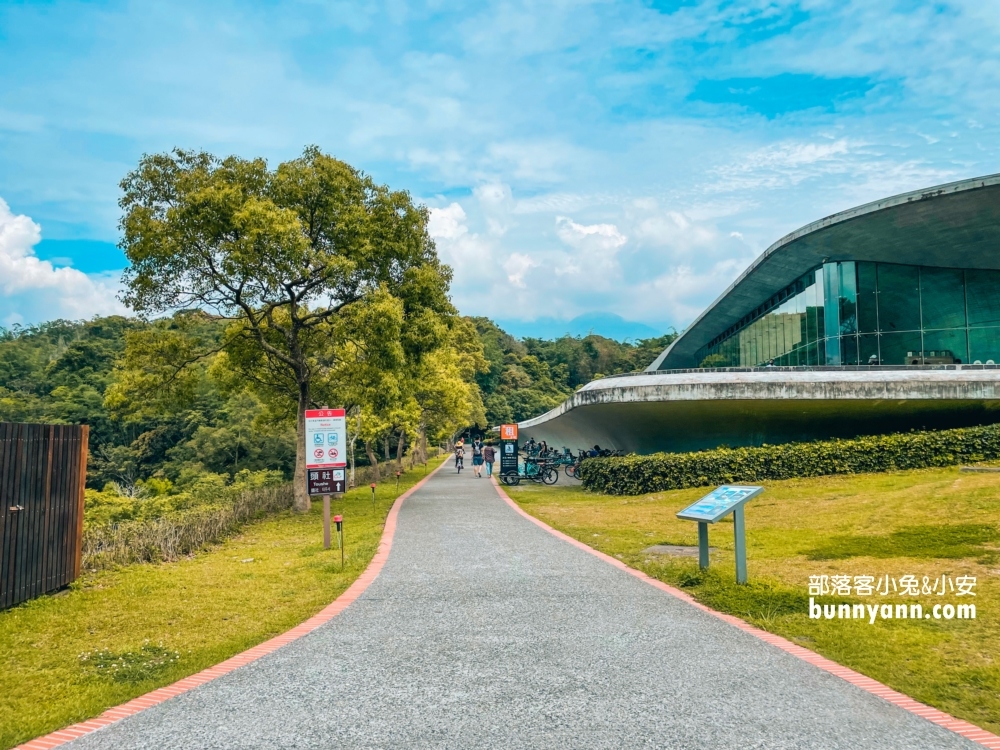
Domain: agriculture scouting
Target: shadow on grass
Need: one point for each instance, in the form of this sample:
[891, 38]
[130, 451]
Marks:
[950, 541]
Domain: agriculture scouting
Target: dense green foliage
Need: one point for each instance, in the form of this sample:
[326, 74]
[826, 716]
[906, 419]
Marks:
[329, 283]
[527, 378]
[62, 372]
[634, 475]
[153, 450]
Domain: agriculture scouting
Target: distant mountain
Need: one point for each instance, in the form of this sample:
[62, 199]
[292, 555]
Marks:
[604, 324]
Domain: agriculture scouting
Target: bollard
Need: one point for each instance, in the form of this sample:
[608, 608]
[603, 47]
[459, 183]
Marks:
[397, 484]
[339, 520]
[373, 494]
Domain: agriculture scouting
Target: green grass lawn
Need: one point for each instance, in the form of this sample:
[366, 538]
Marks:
[929, 522]
[118, 634]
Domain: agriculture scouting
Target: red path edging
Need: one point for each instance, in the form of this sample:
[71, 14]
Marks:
[933, 715]
[160, 695]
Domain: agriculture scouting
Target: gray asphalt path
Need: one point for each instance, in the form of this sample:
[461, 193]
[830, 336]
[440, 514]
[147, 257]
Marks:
[485, 631]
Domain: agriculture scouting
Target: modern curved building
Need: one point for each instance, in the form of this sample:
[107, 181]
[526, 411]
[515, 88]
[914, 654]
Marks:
[885, 317]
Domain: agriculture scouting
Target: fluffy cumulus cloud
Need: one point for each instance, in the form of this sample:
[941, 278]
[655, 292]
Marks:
[644, 261]
[32, 290]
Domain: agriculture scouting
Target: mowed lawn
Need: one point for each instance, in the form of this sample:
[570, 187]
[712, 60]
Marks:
[115, 635]
[934, 523]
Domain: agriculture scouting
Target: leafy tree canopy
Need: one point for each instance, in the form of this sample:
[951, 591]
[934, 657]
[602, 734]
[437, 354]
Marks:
[327, 279]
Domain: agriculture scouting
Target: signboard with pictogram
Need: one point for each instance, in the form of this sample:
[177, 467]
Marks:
[326, 481]
[508, 449]
[326, 450]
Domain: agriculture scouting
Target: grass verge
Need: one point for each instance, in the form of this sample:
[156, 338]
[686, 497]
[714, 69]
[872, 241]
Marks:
[930, 522]
[117, 634]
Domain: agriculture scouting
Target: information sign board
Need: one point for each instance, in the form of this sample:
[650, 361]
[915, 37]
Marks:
[326, 439]
[508, 449]
[718, 503]
[326, 481]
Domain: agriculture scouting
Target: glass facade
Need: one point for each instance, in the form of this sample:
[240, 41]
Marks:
[849, 313]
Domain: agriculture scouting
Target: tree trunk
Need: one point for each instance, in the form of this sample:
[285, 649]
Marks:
[423, 444]
[353, 440]
[385, 448]
[373, 460]
[399, 450]
[301, 502]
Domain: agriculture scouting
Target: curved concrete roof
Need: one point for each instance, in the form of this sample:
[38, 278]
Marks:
[695, 410]
[951, 226]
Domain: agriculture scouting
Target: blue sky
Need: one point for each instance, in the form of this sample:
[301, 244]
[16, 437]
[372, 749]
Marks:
[627, 158]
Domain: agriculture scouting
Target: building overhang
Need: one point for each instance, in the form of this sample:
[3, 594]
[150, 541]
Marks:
[950, 226]
[700, 409]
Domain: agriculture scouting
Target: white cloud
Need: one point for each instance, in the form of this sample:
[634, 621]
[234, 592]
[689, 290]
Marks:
[517, 265]
[496, 202]
[594, 236]
[33, 290]
[447, 223]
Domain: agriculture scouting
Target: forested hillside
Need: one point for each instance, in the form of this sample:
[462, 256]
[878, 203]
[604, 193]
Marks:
[78, 372]
[528, 377]
[63, 372]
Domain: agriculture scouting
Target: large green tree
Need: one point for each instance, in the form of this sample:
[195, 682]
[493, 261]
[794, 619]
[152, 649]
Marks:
[324, 276]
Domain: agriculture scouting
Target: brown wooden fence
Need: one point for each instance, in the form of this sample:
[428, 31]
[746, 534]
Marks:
[43, 469]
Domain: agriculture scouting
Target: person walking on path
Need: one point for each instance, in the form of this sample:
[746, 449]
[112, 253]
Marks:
[477, 457]
[489, 456]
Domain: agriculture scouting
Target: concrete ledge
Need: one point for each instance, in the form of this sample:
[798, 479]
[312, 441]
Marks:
[696, 410]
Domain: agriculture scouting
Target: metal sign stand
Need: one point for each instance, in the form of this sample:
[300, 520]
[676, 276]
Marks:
[703, 545]
[325, 437]
[717, 504]
[326, 522]
[739, 545]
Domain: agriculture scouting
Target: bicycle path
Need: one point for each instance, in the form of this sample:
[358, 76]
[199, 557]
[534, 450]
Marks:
[485, 631]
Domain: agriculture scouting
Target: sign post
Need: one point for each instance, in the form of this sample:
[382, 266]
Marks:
[326, 458]
[508, 449]
[713, 507]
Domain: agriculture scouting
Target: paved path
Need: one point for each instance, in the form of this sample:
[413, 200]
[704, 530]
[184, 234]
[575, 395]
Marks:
[483, 630]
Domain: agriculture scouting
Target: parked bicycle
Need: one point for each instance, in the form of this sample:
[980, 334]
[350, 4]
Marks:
[533, 469]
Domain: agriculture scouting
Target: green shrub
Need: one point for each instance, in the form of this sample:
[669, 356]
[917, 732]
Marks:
[634, 475]
[158, 498]
[174, 533]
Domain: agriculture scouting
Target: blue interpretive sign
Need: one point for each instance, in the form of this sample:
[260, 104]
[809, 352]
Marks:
[718, 503]
[714, 506]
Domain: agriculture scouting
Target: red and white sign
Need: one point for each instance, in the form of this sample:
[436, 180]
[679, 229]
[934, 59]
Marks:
[326, 438]
[508, 432]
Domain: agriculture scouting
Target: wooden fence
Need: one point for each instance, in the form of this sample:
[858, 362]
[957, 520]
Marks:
[43, 470]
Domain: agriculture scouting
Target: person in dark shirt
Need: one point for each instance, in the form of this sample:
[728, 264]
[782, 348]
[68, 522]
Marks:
[489, 456]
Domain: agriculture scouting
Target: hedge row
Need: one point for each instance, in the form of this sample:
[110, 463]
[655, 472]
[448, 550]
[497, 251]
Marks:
[634, 475]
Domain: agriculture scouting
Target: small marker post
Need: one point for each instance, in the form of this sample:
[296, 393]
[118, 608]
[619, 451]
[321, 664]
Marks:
[373, 494]
[397, 484]
[339, 520]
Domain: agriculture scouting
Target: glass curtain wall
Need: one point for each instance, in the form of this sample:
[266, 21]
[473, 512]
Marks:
[849, 313]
